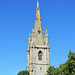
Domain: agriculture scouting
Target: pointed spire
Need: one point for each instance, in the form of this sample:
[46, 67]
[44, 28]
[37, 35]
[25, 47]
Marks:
[37, 4]
[29, 37]
[33, 30]
[37, 25]
[37, 9]
[46, 33]
[46, 30]
[29, 34]
[33, 33]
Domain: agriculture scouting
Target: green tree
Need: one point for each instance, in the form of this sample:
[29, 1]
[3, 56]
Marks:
[71, 62]
[63, 69]
[23, 73]
[67, 68]
[51, 71]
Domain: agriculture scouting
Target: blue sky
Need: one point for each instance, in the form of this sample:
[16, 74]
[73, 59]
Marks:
[17, 20]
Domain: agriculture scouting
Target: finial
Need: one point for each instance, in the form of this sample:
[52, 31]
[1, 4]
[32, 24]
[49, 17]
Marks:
[29, 34]
[46, 30]
[46, 33]
[33, 30]
[37, 4]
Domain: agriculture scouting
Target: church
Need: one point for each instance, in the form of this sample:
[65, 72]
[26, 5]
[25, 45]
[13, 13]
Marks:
[38, 48]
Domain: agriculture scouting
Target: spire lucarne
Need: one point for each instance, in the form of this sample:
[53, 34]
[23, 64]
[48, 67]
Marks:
[38, 48]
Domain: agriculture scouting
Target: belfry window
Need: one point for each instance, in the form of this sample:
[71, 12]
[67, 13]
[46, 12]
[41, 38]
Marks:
[40, 55]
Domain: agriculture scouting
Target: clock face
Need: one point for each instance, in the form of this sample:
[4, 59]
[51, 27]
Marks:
[39, 31]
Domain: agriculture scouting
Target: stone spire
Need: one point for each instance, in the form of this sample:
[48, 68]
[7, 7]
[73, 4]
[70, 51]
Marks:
[38, 31]
[46, 33]
[37, 4]
[38, 18]
[46, 37]
[29, 34]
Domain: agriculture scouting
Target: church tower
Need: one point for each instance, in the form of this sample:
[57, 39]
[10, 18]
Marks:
[38, 48]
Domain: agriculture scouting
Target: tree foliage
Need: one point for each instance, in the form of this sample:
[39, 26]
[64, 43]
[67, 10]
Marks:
[51, 70]
[67, 68]
[23, 73]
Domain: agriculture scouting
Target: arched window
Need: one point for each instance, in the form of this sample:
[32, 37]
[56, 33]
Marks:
[40, 55]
